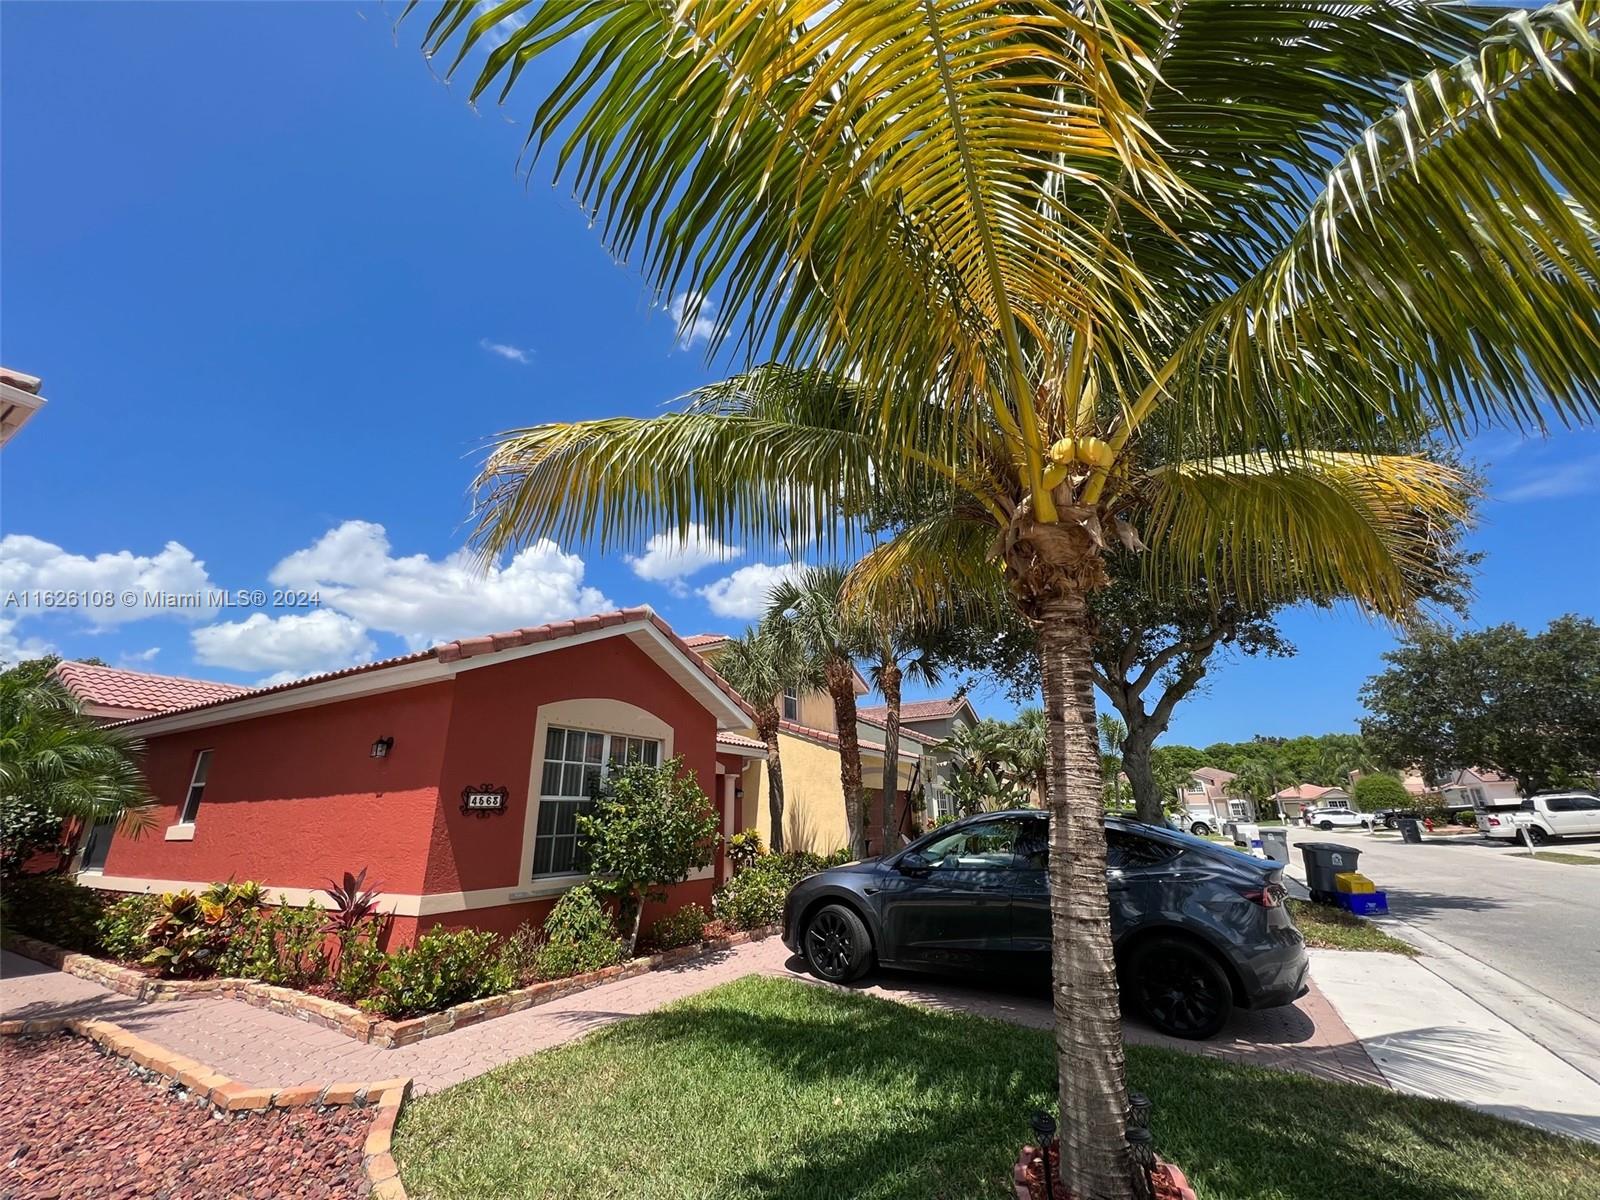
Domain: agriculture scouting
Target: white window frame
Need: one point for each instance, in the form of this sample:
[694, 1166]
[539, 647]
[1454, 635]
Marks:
[199, 776]
[603, 770]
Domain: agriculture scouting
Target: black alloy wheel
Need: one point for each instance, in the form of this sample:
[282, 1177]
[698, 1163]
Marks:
[1325, 825]
[838, 947]
[1179, 988]
[1538, 836]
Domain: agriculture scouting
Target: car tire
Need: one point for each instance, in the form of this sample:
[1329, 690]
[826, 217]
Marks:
[1391, 823]
[1324, 825]
[836, 944]
[1538, 836]
[1200, 829]
[1176, 985]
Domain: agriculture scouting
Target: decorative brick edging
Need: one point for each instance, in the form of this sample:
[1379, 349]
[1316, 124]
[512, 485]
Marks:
[352, 1022]
[1030, 1155]
[228, 1096]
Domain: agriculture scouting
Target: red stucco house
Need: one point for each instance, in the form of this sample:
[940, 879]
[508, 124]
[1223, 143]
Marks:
[453, 775]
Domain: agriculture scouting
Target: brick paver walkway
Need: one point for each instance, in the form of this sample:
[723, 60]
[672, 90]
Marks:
[264, 1048]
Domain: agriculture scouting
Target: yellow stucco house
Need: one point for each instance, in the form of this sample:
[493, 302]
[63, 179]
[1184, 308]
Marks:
[814, 817]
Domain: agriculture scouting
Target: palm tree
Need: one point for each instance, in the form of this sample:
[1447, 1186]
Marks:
[56, 765]
[981, 757]
[1030, 758]
[1112, 734]
[894, 654]
[824, 637]
[1104, 272]
[757, 665]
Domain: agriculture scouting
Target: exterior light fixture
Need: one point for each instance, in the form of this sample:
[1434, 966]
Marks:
[381, 747]
[1044, 1134]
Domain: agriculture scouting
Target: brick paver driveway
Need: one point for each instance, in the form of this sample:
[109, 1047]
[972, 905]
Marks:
[268, 1049]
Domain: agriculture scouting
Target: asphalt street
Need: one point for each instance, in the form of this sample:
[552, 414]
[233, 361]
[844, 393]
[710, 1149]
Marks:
[1522, 936]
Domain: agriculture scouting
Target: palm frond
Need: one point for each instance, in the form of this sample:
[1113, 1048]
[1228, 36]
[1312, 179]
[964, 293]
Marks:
[935, 569]
[1317, 525]
[864, 184]
[1447, 271]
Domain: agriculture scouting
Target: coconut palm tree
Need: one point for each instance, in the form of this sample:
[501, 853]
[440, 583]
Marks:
[1112, 734]
[1105, 271]
[1030, 758]
[894, 654]
[825, 636]
[757, 665]
[56, 765]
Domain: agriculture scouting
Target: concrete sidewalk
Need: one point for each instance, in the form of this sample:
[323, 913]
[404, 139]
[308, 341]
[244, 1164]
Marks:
[1430, 1038]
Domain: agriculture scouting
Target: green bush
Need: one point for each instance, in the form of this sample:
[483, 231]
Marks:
[192, 935]
[123, 926]
[755, 896]
[744, 848]
[54, 909]
[579, 936]
[445, 967]
[1373, 793]
[282, 946]
[361, 964]
[519, 954]
[685, 927]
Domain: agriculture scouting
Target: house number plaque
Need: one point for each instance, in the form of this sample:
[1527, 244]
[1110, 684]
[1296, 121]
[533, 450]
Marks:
[483, 800]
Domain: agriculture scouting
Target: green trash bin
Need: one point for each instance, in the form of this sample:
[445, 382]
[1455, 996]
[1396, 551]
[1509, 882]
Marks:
[1323, 861]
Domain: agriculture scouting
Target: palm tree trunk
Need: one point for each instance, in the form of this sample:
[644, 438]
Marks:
[767, 726]
[889, 684]
[1094, 1154]
[842, 688]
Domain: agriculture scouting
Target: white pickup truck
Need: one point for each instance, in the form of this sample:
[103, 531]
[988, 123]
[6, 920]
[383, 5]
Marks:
[1551, 815]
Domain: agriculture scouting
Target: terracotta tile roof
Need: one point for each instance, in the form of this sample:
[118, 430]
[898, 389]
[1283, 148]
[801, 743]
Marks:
[917, 710]
[112, 687]
[489, 644]
[909, 734]
[1213, 775]
[699, 641]
[1305, 791]
[738, 739]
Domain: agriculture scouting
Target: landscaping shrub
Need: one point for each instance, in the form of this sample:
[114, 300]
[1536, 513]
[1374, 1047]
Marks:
[123, 926]
[361, 964]
[192, 933]
[744, 848]
[520, 954]
[579, 936]
[755, 896]
[56, 910]
[445, 967]
[282, 946]
[685, 927]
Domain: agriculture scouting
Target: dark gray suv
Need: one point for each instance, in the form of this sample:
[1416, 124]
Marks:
[1198, 927]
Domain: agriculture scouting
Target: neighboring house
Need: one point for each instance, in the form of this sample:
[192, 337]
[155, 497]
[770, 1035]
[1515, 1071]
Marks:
[19, 400]
[1294, 801]
[1207, 792]
[1480, 789]
[936, 719]
[454, 775]
[808, 743]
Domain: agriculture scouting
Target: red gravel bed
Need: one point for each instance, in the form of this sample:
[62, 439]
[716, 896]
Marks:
[74, 1123]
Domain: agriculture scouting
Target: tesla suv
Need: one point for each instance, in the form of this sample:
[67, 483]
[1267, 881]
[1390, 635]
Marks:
[1198, 928]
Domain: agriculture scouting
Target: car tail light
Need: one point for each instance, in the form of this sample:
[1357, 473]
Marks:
[1494, 821]
[1268, 896]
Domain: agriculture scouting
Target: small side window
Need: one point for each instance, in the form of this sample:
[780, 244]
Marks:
[197, 788]
[1125, 850]
[791, 705]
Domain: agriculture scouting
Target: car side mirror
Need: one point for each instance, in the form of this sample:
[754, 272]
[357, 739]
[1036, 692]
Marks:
[914, 865]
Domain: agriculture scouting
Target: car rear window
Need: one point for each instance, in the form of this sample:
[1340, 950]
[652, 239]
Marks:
[1130, 850]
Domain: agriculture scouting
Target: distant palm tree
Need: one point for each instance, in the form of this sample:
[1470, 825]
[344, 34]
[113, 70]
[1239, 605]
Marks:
[757, 664]
[57, 765]
[824, 636]
[896, 653]
[1030, 751]
[1112, 734]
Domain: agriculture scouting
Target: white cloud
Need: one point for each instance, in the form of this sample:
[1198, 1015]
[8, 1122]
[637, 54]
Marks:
[515, 354]
[140, 656]
[693, 315]
[13, 649]
[744, 594]
[425, 601]
[293, 645]
[121, 586]
[1569, 479]
[669, 558]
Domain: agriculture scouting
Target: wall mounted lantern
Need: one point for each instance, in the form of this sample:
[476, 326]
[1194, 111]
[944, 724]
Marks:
[381, 747]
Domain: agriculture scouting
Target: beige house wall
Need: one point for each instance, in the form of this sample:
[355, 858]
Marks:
[813, 799]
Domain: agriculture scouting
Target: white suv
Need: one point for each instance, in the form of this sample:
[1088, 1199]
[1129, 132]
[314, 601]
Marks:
[1556, 814]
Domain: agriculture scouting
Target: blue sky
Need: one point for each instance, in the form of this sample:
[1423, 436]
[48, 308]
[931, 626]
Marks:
[281, 283]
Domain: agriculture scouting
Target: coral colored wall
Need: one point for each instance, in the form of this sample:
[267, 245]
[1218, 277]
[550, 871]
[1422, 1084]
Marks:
[295, 798]
[491, 736]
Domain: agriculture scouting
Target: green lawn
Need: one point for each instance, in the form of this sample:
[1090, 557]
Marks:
[1332, 928]
[1558, 856]
[778, 1089]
